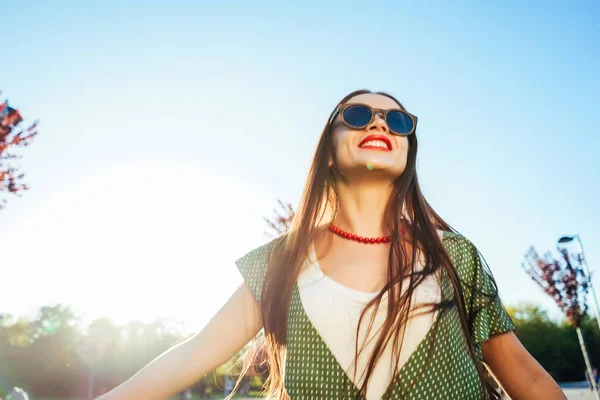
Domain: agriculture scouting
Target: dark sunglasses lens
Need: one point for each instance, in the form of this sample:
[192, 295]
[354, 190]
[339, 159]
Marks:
[399, 122]
[357, 116]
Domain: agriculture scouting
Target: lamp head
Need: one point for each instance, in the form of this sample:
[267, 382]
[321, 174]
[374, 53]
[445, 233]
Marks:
[566, 239]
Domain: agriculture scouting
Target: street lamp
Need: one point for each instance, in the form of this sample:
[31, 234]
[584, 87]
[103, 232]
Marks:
[577, 239]
[565, 280]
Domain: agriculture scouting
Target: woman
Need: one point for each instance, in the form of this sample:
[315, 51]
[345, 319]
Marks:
[370, 294]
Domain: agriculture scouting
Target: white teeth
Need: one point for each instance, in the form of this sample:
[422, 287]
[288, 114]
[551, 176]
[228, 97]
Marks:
[375, 143]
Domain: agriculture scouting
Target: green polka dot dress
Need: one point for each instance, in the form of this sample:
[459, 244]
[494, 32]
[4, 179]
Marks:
[440, 366]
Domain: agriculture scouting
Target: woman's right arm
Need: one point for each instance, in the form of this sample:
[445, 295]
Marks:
[180, 367]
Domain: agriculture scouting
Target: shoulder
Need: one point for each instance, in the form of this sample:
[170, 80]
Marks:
[253, 265]
[456, 243]
[455, 239]
[258, 257]
[257, 253]
[462, 252]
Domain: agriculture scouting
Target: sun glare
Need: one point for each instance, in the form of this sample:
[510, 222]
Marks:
[138, 242]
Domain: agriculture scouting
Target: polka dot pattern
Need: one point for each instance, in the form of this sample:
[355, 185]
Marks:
[439, 368]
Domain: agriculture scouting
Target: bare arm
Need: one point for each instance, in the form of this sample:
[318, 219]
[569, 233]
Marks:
[521, 376]
[238, 321]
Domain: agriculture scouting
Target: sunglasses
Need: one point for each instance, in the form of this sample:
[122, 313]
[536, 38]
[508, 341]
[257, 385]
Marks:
[359, 116]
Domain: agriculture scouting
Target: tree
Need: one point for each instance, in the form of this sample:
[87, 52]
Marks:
[278, 225]
[55, 355]
[12, 137]
[93, 348]
[565, 281]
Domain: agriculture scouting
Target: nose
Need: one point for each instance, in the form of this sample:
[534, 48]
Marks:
[378, 123]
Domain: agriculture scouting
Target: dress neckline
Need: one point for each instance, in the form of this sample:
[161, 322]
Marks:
[397, 381]
[315, 268]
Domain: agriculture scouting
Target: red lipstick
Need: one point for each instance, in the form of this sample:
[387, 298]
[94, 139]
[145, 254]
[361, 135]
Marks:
[380, 138]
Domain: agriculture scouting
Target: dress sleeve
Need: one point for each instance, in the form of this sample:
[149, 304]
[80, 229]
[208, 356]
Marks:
[253, 267]
[483, 301]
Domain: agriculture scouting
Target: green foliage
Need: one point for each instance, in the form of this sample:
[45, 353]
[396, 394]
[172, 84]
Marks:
[51, 355]
[554, 344]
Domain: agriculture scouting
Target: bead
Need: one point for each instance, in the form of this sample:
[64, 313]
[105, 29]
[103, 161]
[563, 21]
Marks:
[360, 239]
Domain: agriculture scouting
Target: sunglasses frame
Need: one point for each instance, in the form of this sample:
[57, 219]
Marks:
[342, 107]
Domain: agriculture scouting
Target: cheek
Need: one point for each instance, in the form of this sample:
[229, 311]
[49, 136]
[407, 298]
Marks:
[341, 142]
[404, 146]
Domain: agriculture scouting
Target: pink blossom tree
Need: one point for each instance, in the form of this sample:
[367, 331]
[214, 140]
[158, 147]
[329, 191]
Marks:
[565, 281]
[11, 138]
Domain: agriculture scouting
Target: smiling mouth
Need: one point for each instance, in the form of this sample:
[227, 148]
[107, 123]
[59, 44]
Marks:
[376, 142]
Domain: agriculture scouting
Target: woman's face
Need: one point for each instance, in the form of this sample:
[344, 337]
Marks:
[353, 153]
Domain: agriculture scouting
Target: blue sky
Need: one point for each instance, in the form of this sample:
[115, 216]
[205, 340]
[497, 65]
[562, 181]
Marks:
[168, 132]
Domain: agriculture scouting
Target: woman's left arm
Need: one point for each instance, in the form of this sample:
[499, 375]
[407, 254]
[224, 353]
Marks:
[521, 376]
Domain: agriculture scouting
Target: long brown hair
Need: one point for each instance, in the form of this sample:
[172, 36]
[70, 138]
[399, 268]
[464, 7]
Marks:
[318, 205]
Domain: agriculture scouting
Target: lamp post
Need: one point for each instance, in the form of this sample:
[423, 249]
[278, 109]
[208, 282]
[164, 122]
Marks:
[92, 350]
[577, 239]
[564, 279]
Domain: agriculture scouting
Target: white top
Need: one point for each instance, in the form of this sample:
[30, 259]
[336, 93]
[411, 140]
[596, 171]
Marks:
[334, 310]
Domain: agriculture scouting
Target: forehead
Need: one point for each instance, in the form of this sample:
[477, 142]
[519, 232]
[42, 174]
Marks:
[375, 101]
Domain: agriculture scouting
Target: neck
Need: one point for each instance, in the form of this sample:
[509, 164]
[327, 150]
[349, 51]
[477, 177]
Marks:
[362, 207]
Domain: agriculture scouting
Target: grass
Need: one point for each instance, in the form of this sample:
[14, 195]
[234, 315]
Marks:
[85, 398]
[194, 397]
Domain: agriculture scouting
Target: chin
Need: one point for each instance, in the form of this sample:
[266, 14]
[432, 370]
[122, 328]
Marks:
[391, 170]
[378, 164]
[390, 167]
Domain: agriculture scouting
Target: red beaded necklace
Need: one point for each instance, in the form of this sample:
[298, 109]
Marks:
[352, 236]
